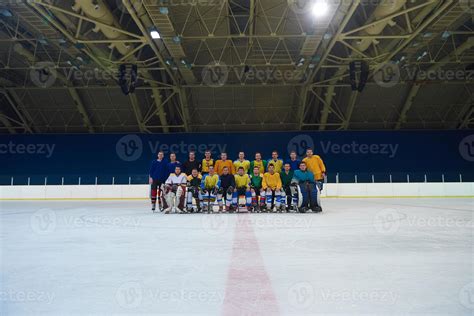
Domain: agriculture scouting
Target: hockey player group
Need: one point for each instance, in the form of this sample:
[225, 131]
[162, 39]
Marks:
[271, 185]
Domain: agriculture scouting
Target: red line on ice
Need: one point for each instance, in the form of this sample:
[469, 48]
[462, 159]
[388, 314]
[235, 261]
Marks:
[249, 290]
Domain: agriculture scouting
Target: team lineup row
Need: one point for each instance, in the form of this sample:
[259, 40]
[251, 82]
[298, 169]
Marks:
[161, 168]
[271, 185]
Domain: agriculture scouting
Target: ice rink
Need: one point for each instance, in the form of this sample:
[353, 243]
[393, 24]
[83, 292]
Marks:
[361, 256]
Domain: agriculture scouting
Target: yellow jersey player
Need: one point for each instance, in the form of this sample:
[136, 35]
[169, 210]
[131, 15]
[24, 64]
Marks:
[272, 186]
[258, 163]
[210, 186]
[207, 162]
[316, 166]
[276, 162]
[242, 162]
[242, 187]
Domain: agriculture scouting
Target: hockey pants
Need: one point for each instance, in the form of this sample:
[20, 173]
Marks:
[239, 192]
[193, 193]
[228, 192]
[209, 198]
[258, 197]
[273, 198]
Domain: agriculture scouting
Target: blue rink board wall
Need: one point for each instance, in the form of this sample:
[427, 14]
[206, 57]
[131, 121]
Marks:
[347, 153]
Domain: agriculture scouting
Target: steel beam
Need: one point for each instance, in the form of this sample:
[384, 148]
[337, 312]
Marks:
[350, 109]
[467, 45]
[469, 118]
[24, 122]
[138, 21]
[6, 123]
[332, 43]
[138, 113]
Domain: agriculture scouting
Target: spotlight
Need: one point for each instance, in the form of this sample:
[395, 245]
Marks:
[320, 8]
[154, 33]
[446, 35]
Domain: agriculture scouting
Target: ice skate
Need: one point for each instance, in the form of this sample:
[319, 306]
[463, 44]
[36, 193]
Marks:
[317, 209]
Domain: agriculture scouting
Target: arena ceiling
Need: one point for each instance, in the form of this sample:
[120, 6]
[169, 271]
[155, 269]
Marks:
[235, 65]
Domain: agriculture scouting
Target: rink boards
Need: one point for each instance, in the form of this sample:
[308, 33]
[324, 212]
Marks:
[330, 190]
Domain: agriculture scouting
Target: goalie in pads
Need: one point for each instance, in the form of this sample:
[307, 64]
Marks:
[305, 192]
[175, 191]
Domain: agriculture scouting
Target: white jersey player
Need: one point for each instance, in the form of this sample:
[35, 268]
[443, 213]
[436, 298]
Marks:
[175, 191]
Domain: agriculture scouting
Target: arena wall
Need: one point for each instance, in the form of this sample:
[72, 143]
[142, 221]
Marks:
[440, 155]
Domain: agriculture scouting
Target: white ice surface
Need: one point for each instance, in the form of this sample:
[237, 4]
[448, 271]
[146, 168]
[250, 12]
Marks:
[361, 256]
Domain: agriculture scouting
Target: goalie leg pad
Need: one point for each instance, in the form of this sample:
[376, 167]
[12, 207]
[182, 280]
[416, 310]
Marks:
[169, 200]
[181, 196]
[165, 198]
[314, 196]
[297, 196]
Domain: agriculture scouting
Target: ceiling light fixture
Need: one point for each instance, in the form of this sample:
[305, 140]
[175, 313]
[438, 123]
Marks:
[320, 8]
[154, 33]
